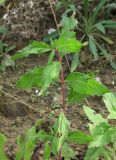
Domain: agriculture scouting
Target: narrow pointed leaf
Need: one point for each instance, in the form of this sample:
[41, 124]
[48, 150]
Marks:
[112, 5]
[108, 23]
[100, 27]
[106, 39]
[49, 75]
[92, 47]
[26, 144]
[47, 152]
[2, 145]
[75, 62]
[98, 9]
[61, 128]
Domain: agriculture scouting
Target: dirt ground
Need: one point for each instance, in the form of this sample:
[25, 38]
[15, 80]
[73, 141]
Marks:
[16, 116]
[19, 109]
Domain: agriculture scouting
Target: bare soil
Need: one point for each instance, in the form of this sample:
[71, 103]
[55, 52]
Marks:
[16, 105]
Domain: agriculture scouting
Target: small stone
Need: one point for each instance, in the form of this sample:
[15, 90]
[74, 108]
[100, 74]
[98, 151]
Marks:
[18, 120]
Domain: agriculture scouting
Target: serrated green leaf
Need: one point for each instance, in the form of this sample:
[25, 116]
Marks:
[75, 97]
[67, 45]
[84, 85]
[61, 129]
[40, 77]
[67, 152]
[66, 34]
[110, 102]
[107, 153]
[99, 152]
[34, 48]
[68, 23]
[50, 74]
[79, 137]
[103, 139]
[47, 152]
[93, 153]
[3, 140]
[93, 117]
[100, 128]
[31, 79]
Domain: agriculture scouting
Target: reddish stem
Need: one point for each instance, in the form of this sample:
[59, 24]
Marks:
[60, 154]
[62, 80]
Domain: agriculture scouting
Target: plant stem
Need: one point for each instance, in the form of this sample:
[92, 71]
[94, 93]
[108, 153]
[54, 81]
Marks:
[55, 20]
[54, 15]
[62, 80]
[60, 154]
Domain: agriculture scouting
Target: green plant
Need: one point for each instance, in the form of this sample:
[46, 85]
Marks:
[25, 144]
[5, 58]
[64, 4]
[42, 77]
[79, 86]
[4, 48]
[2, 143]
[109, 8]
[56, 142]
[102, 131]
[2, 2]
[94, 30]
